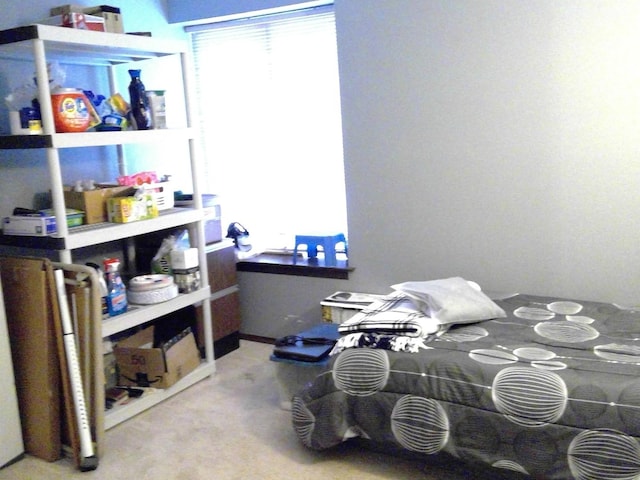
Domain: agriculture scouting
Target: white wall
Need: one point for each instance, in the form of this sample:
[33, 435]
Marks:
[494, 140]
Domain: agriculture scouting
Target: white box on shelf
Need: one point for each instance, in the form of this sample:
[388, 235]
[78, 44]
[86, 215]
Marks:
[184, 259]
[341, 306]
[29, 225]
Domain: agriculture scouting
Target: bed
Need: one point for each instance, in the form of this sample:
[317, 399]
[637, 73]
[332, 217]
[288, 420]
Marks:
[550, 390]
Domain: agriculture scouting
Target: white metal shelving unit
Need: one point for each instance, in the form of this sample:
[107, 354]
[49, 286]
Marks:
[43, 43]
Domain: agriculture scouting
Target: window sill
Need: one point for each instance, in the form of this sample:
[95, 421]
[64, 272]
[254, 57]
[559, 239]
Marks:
[283, 265]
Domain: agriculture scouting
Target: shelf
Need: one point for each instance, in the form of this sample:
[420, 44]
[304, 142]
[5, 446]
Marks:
[121, 413]
[139, 314]
[94, 139]
[96, 234]
[85, 47]
[42, 44]
[223, 293]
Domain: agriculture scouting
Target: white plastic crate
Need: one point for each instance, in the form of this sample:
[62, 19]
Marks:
[163, 194]
[292, 377]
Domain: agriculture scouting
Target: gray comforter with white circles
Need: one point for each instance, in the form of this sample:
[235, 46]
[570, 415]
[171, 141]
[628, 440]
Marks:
[552, 391]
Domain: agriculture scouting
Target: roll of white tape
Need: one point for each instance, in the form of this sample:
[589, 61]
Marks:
[153, 296]
[145, 283]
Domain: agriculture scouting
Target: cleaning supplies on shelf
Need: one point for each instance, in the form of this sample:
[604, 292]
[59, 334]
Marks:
[158, 108]
[139, 102]
[116, 289]
[103, 287]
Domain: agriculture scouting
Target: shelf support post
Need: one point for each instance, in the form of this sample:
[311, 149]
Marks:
[44, 92]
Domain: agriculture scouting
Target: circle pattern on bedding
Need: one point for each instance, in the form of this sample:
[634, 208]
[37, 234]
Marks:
[303, 421]
[556, 413]
[420, 424]
[604, 454]
[529, 396]
[361, 372]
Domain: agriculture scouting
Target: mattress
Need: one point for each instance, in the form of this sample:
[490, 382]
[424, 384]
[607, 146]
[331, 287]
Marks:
[550, 391]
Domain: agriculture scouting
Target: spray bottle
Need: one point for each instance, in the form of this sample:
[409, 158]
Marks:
[116, 290]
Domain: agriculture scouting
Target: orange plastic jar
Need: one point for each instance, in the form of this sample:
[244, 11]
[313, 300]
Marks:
[70, 110]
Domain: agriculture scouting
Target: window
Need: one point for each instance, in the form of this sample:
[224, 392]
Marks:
[269, 101]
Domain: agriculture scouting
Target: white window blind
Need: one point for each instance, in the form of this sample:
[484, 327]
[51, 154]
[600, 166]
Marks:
[269, 100]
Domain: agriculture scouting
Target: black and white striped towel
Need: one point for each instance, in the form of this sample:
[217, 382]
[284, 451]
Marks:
[395, 314]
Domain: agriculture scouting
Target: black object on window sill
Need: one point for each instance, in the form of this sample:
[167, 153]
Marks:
[283, 265]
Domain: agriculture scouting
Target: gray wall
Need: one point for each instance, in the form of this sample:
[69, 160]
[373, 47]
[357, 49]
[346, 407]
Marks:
[494, 140]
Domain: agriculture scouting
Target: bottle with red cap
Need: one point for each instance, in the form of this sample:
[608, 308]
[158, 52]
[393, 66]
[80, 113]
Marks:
[116, 289]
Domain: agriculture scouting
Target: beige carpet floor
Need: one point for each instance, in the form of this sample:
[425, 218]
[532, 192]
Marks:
[230, 427]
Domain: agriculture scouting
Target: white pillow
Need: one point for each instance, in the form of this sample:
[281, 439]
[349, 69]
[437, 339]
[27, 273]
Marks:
[451, 300]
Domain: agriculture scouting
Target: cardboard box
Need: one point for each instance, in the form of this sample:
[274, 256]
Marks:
[111, 15]
[142, 365]
[92, 202]
[76, 20]
[62, 9]
[341, 306]
[30, 320]
[132, 209]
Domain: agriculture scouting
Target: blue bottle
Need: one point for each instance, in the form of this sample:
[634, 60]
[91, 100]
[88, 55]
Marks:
[116, 289]
[140, 111]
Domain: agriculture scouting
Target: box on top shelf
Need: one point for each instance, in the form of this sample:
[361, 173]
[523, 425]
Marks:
[80, 21]
[111, 15]
[62, 9]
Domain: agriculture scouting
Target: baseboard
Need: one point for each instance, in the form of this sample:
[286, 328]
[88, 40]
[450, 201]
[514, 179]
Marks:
[226, 345]
[257, 338]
